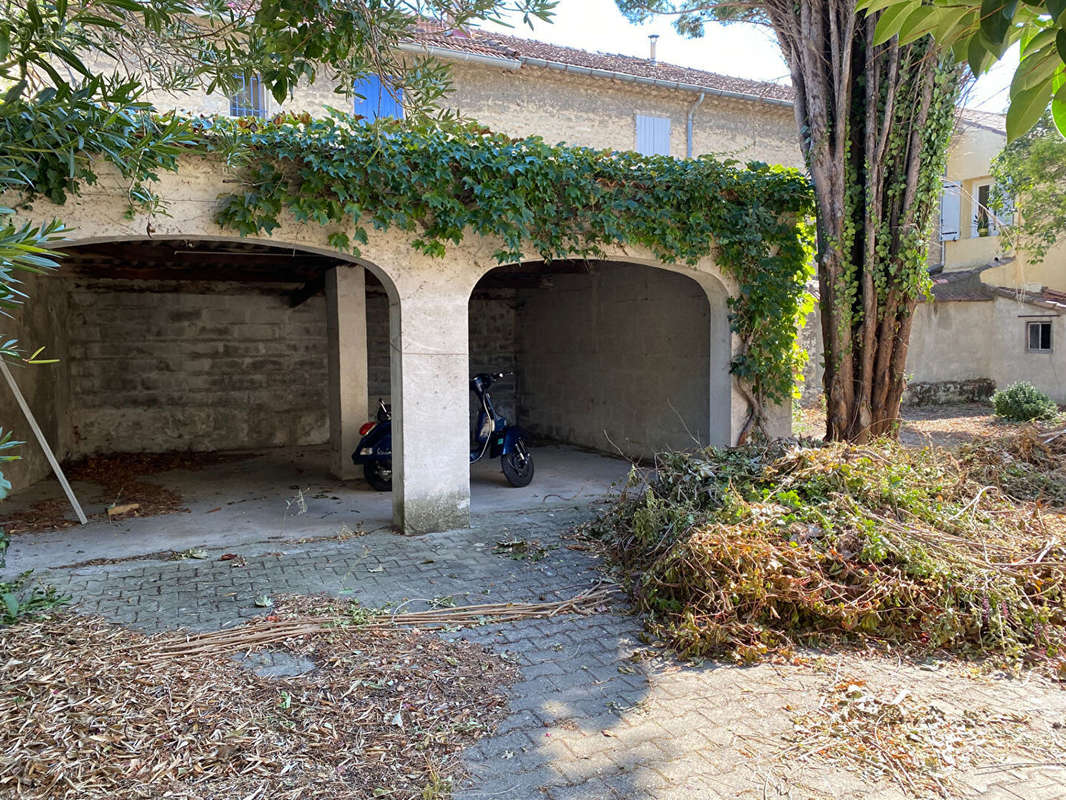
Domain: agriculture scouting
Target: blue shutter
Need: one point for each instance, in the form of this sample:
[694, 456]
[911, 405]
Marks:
[376, 100]
[653, 135]
[249, 100]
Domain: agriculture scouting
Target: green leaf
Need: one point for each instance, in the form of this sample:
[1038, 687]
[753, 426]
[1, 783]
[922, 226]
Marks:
[280, 89]
[11, 603]
[996, 17]
[923, 20]
[871, 6]
[1035, 69]
[1058, 110]
[1060, 44]
[1025, 109]
[977, 56]
[892, 20]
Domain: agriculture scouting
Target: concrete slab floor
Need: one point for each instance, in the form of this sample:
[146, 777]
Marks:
[282, 496]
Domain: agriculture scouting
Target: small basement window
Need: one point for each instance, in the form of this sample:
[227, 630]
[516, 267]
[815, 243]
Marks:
[1038, 337]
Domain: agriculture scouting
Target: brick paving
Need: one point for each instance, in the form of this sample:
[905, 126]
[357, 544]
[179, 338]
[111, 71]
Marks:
[588, 719]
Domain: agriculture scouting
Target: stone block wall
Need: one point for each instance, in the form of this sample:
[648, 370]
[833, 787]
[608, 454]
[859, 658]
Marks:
[41, 322]
[226, 367]
[616, 359]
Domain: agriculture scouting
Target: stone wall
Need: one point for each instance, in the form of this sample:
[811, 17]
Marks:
[41, 322]
[616, 359]
[810, 339]
[576, 109]
[227, 367]
[975, 390]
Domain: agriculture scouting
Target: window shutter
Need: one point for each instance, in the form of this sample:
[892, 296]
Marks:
[950, 211]
[249, 100]
[653, 135]
[376, 100]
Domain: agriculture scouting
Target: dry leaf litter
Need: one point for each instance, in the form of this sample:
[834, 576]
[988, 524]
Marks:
[121, 477]
[83, 714]
[924, 746]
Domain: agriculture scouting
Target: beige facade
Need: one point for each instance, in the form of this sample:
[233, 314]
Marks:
[573, 108]
[969, 166]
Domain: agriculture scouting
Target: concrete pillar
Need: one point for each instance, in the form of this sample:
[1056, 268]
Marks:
[346, 321]
[430, 418]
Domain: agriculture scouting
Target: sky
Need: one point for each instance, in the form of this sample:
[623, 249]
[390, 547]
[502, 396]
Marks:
[746, 51]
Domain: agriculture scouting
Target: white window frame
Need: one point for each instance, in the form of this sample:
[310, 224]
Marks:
[975, 220]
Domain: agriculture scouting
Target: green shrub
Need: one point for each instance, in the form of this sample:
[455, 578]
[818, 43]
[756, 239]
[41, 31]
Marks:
[1023, 402]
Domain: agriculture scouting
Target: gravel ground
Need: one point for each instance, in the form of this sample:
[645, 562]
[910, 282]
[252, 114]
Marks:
[946, 426]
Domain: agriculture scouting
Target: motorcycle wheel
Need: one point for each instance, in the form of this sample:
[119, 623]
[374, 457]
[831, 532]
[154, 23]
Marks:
[378, 475]
[518, 465]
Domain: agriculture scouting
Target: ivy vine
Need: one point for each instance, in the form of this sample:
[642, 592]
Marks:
[549, 201]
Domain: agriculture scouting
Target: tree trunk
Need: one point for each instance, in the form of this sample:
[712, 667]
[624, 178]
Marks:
[874, 128]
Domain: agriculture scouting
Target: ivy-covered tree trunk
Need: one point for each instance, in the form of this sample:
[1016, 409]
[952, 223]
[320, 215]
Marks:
[874, 124]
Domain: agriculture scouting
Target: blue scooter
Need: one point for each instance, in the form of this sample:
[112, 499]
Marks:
[495, 437]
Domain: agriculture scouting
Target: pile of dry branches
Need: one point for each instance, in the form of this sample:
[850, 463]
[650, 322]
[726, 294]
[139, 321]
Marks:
[84, 714]
[750, 551]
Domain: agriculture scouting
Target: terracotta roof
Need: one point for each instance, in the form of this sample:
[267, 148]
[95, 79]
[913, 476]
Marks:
[516, 48]
[1045, 298]
[972, 117]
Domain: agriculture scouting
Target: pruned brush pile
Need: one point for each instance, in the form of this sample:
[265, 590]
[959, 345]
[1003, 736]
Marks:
[750, 551]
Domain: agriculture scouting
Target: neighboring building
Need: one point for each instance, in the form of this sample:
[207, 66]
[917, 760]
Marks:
[994, 318]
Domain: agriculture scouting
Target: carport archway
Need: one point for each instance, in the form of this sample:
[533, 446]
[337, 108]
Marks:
[206, 344]
[619, 357]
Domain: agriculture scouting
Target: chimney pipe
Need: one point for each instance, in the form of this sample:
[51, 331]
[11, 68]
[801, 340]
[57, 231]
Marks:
[652, 40]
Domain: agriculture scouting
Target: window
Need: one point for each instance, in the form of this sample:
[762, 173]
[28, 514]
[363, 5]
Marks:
[653, 135]
[983, 217]
[249, 100]
[374, 98]
[1038, 337]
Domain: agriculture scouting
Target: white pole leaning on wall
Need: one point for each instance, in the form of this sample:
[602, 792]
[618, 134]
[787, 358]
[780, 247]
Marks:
[43, 442]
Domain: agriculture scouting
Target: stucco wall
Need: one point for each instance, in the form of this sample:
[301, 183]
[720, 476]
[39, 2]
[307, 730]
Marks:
[618, 358]
[968, 340]
[40, 322]
[155, 369]
[950, 341]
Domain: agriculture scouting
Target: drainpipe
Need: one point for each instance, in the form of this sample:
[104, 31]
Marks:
[688, 125]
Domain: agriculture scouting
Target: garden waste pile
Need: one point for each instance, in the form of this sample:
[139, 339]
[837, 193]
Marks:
[752, 551]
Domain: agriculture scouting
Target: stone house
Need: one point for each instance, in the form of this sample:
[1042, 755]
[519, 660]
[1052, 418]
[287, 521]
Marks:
[174, 334]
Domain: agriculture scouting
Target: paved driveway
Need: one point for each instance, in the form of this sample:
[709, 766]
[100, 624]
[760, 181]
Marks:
[589, 719]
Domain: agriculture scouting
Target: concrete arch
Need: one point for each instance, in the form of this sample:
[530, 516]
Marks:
[279, 244]
[662, 344]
